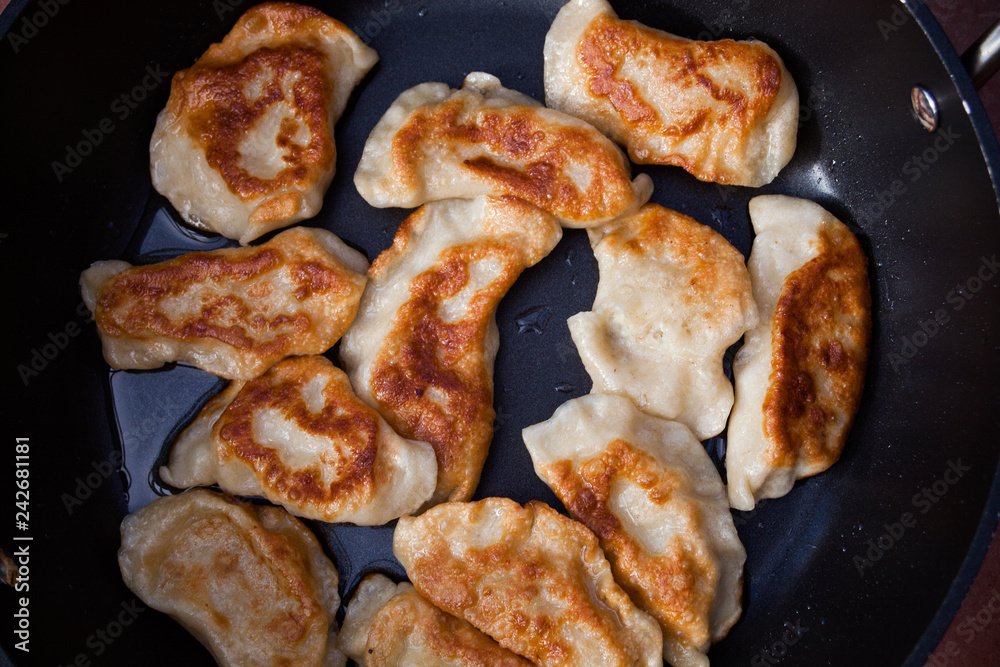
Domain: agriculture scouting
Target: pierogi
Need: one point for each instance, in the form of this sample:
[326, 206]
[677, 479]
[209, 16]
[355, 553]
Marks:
[249, 581]
[437, 143]
[673, 295]
[389, 624]
[233, 312]
[245, 144]
[653, 497]
[299, 436]
[725, 111]
[801, 371]
[531, 578]
[422, 348]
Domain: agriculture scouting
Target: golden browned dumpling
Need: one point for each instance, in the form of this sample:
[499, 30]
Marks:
[192, 455]
[483, 139]
[245, 143]
[531, 578]
[299, 436]
[389, 624]
[800, 373]
[725, 111]
[232, 312]
[673, 295]
[422, 348]
[249, 581]
[649, 491]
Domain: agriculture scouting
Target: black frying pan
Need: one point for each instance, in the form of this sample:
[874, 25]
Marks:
[833, 575]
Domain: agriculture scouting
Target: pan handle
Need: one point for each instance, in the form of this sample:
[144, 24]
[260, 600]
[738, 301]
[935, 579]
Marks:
[982, 59]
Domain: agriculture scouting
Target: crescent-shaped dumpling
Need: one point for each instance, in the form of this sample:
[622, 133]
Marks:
[653, 497]
[389, 624]
[531, 578]
[483, 139]
[233, 312]
[801, 371]
[299, 436]
[245, 143]
[725, 111]
[249, 581]
[673, 295]
[422, 348]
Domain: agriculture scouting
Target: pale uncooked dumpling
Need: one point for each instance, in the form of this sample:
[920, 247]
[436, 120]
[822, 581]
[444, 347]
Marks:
[531, 578]
[437, 143]
[233, 312]
[653, 497]
[245, 143]
[422, 348]
[673, 295]
[725, 111]
[299, 436]
[249, 581]
[801, 372]
[389, 624]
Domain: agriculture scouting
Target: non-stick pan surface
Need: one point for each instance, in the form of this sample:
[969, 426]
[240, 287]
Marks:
[851, 567]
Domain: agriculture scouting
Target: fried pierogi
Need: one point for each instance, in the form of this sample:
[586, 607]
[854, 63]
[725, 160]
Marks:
[483, 139]
[245, 143]
[725, 111]
[249, 581]
[389, 624]
[193, 460]
[422, 348]
[650, 493]
[673, 295]
[232, 312]
[801, 372]
[531, 578]
[299, 436]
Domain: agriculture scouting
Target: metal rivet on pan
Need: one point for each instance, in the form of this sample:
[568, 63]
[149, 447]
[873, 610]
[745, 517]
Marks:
[925, 107]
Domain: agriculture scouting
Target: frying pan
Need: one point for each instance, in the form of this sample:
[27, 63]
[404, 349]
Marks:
[864, 564]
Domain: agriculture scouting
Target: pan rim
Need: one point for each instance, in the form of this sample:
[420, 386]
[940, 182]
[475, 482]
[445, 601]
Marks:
[986, 137]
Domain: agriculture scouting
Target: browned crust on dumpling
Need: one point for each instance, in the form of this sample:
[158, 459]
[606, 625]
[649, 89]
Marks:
[423, 353]
[681, 65]
[676, 588]
[522, 134]
[497, 588]
[344, 419]
[820, 342]
[210, 98]
[250, 582]
[135, 303]
[716, 267]
[449, 638]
